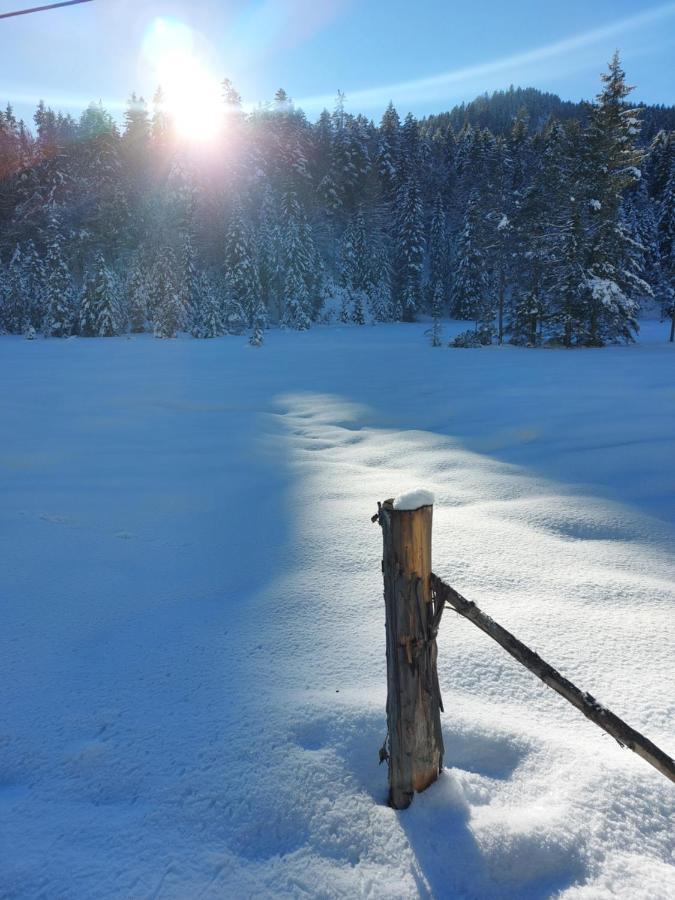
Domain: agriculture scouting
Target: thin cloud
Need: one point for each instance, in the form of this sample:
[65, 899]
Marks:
[433, 86]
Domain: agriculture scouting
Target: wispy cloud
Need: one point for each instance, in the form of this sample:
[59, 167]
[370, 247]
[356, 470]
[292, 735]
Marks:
[446, 84]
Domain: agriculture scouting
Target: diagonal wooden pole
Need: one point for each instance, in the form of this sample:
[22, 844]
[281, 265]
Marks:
[584, 702]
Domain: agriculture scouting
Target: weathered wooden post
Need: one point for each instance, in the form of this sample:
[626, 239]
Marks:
[415, 752]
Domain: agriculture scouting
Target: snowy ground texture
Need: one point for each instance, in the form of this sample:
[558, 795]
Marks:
[192, 670]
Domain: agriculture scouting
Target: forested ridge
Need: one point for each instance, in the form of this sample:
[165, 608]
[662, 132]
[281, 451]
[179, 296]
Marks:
[535, 219]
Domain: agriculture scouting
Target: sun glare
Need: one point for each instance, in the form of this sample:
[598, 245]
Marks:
[191, 92]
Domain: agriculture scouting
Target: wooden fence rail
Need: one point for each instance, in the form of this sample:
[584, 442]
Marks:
[414, 602]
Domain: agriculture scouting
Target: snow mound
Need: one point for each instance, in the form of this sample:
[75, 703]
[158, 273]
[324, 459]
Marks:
[414, 499]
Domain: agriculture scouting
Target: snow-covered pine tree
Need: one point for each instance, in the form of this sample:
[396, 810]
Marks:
[666, 236]
[358, 314]
[437, 303]
[59, 294]
[298, 256]
[34, 279]
[206, 320]
[409, 249]
[379, 297]
[138, 294]
[99, 313]
[567, 286]
[666, 217]
[470, 285]
[438, 254]
[614, 286]
[638, 215]
[3, 285]
[541, 219]
[296, 299]
[258, 327]
[234, 320]
[658, 163]
[190, 293]
[356, 269]
[269, 252]
[241, 266]
[410, 149]
[387, 156]
[165, 297]
[350, 161]
[15, 311]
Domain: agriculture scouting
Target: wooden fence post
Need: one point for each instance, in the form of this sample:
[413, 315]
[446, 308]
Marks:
[413, 696]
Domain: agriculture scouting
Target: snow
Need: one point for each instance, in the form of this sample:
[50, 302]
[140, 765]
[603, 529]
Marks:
[605, 291]
[414, 499]
[595, 204]
[503, 223]
[192, 660]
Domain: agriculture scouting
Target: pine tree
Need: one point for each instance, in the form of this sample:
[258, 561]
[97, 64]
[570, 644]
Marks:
[15, 310]
[356, 267]
[568, 279]
[438, 245]
[298, 254]
[59, 296]
[241, 263]
[666, 236]
[296, 299]
[22, 293]
[470, 284]
[190, 293]
[206, 319]
[257, 328]
[409, 249]
[34, 280]
[436, 311]
[358, 315]
[233, 317]
[100, 314]
[269, 253]
[165, 298]
[138, 294]
[388, 152]
[613, 285]
[380, 295]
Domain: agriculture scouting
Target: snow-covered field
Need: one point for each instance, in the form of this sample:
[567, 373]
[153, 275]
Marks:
[192, 670]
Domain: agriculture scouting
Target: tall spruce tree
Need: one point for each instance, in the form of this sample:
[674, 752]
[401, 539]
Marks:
[298, 260]
[241, 264]
[59, 291]
[206, 314]
[100, 314]
[438, 251]
[15, 309]
[470, 284]
[612, 166]
[409, 249]
[165, 294]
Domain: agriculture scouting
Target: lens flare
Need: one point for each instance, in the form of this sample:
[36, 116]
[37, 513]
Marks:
[191, 92]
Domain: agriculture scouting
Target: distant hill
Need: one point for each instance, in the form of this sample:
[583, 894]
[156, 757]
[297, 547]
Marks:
[498, 110]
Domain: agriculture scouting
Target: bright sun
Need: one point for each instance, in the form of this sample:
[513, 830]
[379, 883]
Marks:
[191, 93]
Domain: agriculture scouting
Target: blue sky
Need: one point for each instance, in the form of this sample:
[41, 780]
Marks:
[425, 56]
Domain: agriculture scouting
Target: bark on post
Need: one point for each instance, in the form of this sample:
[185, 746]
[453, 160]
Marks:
[415, 752]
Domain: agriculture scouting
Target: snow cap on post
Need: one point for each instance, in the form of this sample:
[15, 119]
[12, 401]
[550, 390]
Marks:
[414, 499]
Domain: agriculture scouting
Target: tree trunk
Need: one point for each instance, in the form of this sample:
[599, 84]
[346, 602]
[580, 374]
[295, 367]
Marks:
[412, 619]
[502, 291]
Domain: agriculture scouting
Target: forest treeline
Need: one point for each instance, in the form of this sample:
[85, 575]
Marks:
[536, 220]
